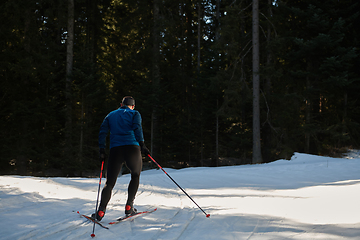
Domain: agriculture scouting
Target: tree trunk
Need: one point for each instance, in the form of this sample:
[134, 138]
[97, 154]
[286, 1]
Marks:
[256, 158]
[217, 136]
[156, 80]
[199, 37]
[267, 133]
[69, 68]
[81, 141]
[22, 143]
[307, 117]
[217, 30]
[308, 107]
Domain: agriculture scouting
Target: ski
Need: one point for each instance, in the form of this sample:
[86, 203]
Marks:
[121, 219]
[91, 219]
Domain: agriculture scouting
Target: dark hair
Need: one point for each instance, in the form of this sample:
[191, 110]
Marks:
[128, 100]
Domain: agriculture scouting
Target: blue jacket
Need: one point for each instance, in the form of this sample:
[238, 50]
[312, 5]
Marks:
[125, 128]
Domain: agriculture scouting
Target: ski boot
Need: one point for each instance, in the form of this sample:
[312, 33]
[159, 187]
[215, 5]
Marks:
[98, 215]
[130, 210]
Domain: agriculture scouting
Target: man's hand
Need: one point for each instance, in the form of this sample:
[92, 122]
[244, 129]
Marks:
[143, 148]
[102, 154]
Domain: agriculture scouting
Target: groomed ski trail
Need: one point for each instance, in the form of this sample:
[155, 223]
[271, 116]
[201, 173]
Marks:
[173, 228]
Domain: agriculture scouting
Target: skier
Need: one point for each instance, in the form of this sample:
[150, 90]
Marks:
[126, 142]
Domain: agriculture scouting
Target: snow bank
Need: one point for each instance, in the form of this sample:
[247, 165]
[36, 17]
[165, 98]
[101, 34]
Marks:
[307, 197]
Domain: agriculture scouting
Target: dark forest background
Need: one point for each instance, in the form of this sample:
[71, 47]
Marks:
[64, 65]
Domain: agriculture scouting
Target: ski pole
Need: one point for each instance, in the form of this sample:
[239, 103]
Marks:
[97, 199]
[207, 215]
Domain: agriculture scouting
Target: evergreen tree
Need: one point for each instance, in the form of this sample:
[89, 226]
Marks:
[187, 62]
[317, 61]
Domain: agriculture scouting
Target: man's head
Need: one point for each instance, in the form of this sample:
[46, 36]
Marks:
[128, 101]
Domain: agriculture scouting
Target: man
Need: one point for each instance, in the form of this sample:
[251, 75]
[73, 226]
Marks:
[126, 141]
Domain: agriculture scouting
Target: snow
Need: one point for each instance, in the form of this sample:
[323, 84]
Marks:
[308, 197]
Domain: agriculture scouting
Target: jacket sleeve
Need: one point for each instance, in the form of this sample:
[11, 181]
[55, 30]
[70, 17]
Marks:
[104, 130]
[139, 136]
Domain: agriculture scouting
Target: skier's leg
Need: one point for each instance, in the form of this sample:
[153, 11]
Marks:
[133, 161]
[114, 167]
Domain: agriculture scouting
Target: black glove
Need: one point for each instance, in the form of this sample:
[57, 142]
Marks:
[143, 148]
[102, 154]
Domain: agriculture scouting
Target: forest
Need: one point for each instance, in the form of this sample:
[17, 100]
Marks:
[189, 64]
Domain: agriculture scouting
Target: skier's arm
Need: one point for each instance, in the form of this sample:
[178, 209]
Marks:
[139, 133]
[104, 130]
[139, 136]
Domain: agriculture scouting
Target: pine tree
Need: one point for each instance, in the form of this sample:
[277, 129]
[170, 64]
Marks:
[317, 60]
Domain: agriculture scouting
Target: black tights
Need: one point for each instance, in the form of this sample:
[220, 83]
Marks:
[131, 155]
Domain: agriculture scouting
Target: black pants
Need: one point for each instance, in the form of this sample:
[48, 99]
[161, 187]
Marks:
[131, 156]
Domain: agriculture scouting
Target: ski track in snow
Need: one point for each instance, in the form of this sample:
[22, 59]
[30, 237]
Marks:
[174, 227]
[309, 197]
